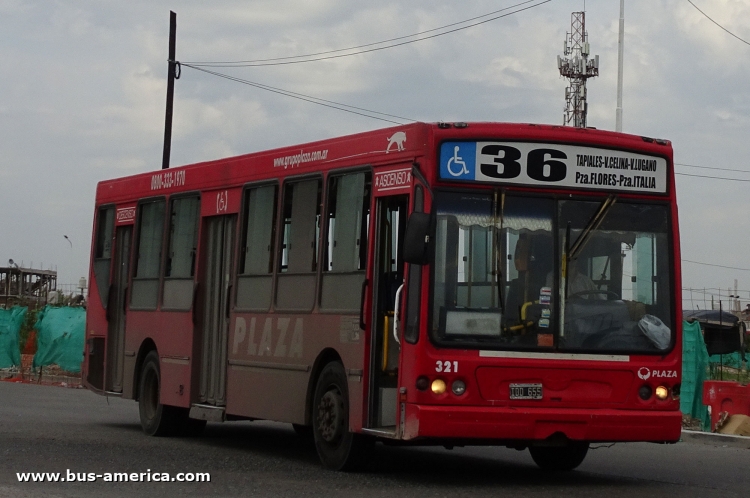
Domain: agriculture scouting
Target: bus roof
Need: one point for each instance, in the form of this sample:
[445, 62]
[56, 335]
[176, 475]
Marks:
[383, 146]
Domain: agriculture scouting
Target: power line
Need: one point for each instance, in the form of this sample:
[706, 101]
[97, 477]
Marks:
[283, 60]
[367, 113]
[359, 46]
[714, 177]
[308, 98]
[709, 291]
[719, 25]
[718, 266]
[711, 167]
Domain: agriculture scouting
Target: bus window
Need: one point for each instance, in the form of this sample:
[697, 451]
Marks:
[493, 259]
[256, 257]
[183, 242]
[347, 216]
[145, 292]
[617, 293]
[299, 248]
[103, 254]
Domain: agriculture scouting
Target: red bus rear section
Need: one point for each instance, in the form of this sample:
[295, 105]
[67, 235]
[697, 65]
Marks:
[454, 284]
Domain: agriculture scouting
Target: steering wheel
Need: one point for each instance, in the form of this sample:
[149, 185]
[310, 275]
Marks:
[613, 295]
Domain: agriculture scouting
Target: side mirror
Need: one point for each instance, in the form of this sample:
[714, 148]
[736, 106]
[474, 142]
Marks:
[416, 238]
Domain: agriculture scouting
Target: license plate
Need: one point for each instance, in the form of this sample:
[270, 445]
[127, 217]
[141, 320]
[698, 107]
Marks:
[525, 391]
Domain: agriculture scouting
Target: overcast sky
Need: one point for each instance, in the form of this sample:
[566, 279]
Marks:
[83, 85]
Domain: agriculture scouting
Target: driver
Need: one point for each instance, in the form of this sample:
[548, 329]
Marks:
[579, 282]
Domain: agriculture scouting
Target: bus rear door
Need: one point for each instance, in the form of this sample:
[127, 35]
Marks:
[215, 288]
[116, 309]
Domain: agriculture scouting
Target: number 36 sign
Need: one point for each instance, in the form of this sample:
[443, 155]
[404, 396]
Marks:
[552, 165]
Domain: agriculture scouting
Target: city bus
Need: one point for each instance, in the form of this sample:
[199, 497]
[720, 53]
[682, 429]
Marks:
[438, 284]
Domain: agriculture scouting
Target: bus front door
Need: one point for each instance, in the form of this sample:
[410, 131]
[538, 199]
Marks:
[387, 292]
[216, 289]
[116, 308]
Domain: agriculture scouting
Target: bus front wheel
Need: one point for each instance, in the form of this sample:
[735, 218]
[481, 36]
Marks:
[563, 458]
[156, 419]
[337, 447]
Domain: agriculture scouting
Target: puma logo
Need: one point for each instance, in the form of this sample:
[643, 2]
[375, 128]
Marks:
[398, 140]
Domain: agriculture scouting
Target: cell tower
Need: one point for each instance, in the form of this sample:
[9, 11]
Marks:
[576, 66]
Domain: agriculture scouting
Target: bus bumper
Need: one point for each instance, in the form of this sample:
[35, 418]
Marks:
[535, 424]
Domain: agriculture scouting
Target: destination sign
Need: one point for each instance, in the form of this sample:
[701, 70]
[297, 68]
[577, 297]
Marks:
[552, 165]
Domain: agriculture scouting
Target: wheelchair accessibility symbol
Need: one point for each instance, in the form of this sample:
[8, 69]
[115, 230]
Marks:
[457, 160]
[456, 165]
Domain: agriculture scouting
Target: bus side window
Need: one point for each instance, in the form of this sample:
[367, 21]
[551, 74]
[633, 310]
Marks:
[256, 256]
[145, 291]
[345, 256]
[103, 254]
[183, 242]
[295, 290]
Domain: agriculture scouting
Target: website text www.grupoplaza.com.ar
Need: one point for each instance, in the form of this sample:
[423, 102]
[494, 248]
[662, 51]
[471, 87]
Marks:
[148, 476]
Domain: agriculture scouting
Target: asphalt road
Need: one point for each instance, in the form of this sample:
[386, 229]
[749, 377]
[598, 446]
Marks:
[52, 429]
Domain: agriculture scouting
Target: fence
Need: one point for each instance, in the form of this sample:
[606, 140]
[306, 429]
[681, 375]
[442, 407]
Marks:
[59, 336]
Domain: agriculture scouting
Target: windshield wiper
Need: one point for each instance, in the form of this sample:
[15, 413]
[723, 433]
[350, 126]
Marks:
[572, 252]
[591, 227]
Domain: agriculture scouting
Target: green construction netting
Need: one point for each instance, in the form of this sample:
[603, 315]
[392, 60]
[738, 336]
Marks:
[733, 360]
[60, 338]
[694, 362]
[10, 325]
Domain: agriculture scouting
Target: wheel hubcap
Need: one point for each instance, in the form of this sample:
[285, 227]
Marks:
[331, 416]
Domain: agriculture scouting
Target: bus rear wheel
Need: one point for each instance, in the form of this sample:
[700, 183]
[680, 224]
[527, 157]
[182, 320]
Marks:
[156, 419]
[564, 458]
[337, 447]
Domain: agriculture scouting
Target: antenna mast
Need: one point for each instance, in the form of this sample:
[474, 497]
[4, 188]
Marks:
[576, 66]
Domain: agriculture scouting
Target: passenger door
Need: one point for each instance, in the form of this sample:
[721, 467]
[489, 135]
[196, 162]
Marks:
[117, 309]
[391, 190]
[218, 247]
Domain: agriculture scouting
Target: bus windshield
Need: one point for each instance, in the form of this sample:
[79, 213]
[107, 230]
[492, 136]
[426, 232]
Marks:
[505, 276]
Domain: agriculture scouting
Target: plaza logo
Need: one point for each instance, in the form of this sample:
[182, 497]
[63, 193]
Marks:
[645, 373]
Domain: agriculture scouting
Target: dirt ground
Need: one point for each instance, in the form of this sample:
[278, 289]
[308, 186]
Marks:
[690, 423]
[51, 375]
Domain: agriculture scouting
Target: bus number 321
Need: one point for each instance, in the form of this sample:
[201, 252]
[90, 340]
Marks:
[446, 366]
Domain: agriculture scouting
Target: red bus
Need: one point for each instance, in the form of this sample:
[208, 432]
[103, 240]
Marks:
[450, 284]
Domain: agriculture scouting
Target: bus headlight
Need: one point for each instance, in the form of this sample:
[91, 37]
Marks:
[662, 392]
[458, 387]
[438, 386]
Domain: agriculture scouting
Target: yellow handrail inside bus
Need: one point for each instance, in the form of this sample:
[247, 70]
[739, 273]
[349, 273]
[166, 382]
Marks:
[386, 334]
[524, 325]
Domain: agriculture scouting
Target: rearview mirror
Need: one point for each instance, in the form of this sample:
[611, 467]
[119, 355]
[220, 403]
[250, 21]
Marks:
[416, 238]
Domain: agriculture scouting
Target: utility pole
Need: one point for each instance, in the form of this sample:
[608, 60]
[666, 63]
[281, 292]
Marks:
[620, 48]
[577, 67]
[173, 73]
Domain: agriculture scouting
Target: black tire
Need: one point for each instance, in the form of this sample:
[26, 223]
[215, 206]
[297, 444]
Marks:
[564, 458]
[156, 419]
[337, 447]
